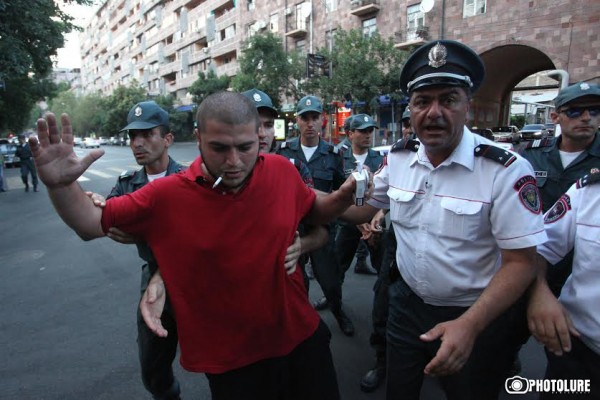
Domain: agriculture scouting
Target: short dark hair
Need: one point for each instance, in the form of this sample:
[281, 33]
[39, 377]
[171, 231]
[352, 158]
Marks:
[227, 107]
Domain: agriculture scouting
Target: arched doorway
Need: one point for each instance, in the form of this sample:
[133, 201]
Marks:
[505, 67]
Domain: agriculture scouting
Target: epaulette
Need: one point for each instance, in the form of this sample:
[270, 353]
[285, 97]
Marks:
[333, 149]
[545, 142]
[495, 153]
[592, 177]
[127, 174]
[297, 163]
[412, 145]
[283, 145]
[344, 147]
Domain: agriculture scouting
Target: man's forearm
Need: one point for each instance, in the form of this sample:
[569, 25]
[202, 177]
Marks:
[326, 208]
[508, 284]
[77, 210]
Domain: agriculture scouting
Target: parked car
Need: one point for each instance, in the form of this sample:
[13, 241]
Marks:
[550, 128]
[485, 132]
[113, 141]
[77, 142]
[506, 134]
[533, 131]
[103, 141]
[8, 150]
[90, 142]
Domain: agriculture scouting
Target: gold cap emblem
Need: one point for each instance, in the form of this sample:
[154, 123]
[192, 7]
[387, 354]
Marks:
[437, 56]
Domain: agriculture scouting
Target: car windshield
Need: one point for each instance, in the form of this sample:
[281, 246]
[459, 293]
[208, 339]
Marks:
[534, 127]
[501, 129]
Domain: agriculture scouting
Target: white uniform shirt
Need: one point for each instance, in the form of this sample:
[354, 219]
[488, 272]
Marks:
[451, 221]
[574, 221]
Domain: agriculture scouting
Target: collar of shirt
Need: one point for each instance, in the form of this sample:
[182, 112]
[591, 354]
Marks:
[463, 154]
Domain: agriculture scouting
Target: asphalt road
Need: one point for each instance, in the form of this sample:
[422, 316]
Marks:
[67, 326]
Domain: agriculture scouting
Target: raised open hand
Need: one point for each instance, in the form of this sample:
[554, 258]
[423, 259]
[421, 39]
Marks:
[56, 162]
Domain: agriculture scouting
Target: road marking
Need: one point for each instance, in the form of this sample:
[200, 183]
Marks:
[82, 179]
[118, 170]
[98, 173]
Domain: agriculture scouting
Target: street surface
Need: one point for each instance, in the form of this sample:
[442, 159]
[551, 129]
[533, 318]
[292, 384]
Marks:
[68, 307]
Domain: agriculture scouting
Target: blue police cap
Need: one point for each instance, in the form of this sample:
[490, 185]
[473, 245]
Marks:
[309, 104]
[260, 100]
[405, 114]
[362, 121]
[576, 91]
[442, 63]
[146, 115]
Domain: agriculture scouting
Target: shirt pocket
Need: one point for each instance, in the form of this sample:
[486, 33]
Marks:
[461, 219]
[403, 207]
[323, 179]
[589, 246]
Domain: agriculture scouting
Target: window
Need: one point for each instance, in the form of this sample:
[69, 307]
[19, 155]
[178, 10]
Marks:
[251, 5]
[415, 19]
[330, 5]
[301, 46]
[330, 39]
[473, 7]
[274, 23]
[369, 27]
[300, 16]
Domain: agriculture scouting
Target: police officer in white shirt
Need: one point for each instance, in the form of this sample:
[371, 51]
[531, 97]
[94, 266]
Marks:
[467, 217]
[570, 326]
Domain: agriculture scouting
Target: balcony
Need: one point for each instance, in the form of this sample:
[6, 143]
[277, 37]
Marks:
[364, 7]
[170, 68]
[296, 30]
[412, 37]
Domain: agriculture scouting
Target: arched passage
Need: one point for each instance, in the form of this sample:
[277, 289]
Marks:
[505, 67]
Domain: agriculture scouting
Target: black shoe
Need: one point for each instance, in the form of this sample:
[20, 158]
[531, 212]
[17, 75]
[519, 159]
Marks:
[27, 187]
[372, 379]
[363, 268]
[344, 323]
[35, 189]
[321, 304]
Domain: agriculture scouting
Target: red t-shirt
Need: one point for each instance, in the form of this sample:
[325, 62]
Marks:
[221, 256]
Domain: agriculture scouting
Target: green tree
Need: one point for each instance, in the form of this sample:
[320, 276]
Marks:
[207, 84]
[30, 33]
[363, 69]
[265, 65]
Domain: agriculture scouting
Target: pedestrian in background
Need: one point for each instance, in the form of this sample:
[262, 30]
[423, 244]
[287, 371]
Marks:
[326, 166]
[462, 262]
[570, 326]
[3, 186]
[27, 164]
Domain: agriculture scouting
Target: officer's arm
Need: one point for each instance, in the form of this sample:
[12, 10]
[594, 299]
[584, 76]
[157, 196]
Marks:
[328, 207]
[458, 336]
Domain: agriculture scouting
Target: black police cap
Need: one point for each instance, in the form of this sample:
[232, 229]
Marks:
[442, 63]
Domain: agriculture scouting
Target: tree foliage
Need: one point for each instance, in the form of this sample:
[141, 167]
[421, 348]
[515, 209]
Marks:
[265, 65]
[207, 84]
[30, 33]
[363, 69]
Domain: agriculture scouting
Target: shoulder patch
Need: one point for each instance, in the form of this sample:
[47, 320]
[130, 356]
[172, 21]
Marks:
[592, 177]
[529, 193]
[412, 145]
[333, 149]
[545, 142]
[344, 146]
[127, 174]
[283, 145]
[558, 210]
[495, 153]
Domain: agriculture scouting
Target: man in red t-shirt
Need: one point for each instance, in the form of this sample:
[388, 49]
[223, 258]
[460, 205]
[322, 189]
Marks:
[241, 319]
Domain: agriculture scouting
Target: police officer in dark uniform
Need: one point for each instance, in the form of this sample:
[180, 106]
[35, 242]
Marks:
[150, 138]
[559, 161]
[349, 236]
[327, 168]
[27, 164]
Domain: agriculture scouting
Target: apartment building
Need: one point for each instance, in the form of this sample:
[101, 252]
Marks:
[163, 44]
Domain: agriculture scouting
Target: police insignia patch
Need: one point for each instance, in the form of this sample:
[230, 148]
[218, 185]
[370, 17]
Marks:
[558, 210]
[138, 111]
[529, 194]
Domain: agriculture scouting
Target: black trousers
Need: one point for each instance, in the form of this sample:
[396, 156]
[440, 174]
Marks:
[307, 373]
[28, 167]
[327, 272]
[157, 354]
[580, 363]
[481, 378]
